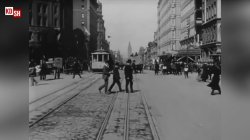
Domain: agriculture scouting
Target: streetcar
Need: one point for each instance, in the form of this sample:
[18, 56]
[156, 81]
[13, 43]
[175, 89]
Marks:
[98, 59]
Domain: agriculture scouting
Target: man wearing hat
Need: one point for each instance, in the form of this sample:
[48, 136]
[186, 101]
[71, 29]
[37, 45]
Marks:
[105, 76]
[128, 71]
[116, 78]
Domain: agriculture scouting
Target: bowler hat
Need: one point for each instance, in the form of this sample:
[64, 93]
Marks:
[129, 61]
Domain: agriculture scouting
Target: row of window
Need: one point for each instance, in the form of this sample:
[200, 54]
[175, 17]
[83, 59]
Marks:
[83, 16]
[42, 18]
[210, 11]
[209, 35]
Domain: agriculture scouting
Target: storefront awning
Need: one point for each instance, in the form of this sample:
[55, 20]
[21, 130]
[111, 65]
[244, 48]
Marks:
[189, 52]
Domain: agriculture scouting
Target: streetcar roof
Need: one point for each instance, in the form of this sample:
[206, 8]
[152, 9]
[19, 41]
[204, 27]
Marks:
[100, 52]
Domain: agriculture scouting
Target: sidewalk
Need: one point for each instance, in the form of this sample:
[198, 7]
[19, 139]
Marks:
[50, 85]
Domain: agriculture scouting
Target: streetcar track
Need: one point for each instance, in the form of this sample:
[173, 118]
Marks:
[56, 91]
[106, 119]
[51, 110]
[126, 127]
[60, 95]
[151, 119]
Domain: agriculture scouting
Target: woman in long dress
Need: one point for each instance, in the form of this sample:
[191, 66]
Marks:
[214, 84]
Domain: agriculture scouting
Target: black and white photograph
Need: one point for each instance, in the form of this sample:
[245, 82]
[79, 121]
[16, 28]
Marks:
[124, 70]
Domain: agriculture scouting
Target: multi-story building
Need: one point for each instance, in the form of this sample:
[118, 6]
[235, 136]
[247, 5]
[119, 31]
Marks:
[211, 30]
[101, 40]
[169, 26]
[141, 54]
[44, 24]
[153, 52]
[64, 28]
[191, 21]
[85, 17]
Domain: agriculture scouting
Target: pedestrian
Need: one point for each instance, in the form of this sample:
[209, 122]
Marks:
[199, 73]
[105, 76]
[128, 71]
[76, 69]
[32, 74]
[186, 70]
[210, 67]
[134, 66]
[56, 73]
[214, 84]
[116, 78]
[43, 71]
[165, 69]
[156, 68]
[204, 75]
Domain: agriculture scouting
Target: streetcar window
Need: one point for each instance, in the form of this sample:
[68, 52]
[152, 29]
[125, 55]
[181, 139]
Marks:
[94, 57]
[105, 57]
[100, 58]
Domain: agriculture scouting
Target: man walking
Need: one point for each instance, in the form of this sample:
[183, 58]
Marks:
[76, 69]
[105, 76]
[116, 78]
[186, 70]
[134, 67]
[128, 71]
[156, 68]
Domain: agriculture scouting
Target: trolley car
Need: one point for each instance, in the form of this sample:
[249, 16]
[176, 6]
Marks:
[98, 59]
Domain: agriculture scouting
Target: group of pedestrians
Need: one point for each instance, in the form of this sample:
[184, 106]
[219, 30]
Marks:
[206, 71]
[175, 68]
[128, 71]
[34, 70]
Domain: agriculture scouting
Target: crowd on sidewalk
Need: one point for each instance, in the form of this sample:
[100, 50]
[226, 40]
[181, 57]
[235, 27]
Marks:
[205, 72]
[44, 69]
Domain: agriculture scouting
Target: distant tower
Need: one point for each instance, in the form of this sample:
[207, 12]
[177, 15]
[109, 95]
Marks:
[129, 50]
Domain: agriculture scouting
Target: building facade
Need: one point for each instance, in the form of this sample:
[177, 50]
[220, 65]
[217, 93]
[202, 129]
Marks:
[85, 17]
[169, 26]
[101, 39]
[141, 54]
[44, 26]
[191, 21]
[211, 30]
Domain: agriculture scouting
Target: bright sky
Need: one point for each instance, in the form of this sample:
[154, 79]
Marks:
[130, 20]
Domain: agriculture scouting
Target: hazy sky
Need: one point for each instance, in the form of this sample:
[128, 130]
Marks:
[130, 20]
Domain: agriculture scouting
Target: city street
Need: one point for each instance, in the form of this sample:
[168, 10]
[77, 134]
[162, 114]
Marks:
[139, 38]
[182, 109]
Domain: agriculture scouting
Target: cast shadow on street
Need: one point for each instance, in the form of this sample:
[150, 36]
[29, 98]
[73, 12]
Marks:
[52, 79]
[42, 84]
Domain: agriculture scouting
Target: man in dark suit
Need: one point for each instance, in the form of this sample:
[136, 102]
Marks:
[128, 71]
[116, 78]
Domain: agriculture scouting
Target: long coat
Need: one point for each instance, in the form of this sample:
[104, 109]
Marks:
[214, 84]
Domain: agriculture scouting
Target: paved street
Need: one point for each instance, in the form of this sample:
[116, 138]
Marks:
[80, 118]
[183, 108]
